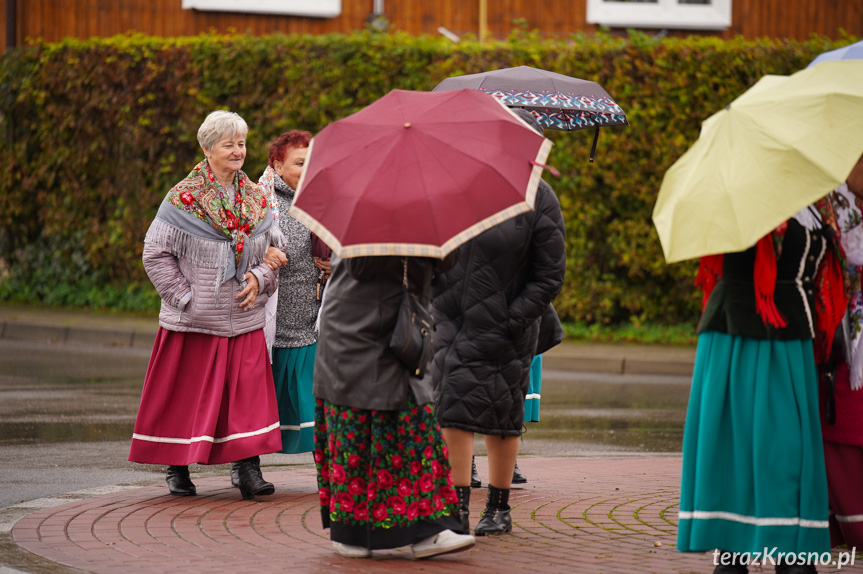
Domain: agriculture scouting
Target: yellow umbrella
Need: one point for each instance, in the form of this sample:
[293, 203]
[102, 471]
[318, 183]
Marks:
[782, 145]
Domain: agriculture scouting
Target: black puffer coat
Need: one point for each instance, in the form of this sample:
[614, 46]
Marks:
[487, 311]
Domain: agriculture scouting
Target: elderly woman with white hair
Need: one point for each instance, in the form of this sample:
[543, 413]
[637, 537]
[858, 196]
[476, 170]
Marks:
[208, 394]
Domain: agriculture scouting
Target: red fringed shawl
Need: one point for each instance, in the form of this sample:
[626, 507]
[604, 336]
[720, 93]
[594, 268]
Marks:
[831, 300]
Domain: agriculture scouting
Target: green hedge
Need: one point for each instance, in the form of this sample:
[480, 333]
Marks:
[95, 132]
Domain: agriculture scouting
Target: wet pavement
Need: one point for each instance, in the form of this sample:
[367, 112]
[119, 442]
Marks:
[53, 393]
[603, 468]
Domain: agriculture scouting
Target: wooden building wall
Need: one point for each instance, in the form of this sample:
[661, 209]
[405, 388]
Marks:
[55, 19]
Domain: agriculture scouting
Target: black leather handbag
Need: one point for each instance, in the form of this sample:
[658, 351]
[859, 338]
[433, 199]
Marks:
[411, 340]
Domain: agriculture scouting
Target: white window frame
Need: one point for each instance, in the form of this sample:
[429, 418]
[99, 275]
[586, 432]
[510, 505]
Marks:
[311, 8]
[661, 14]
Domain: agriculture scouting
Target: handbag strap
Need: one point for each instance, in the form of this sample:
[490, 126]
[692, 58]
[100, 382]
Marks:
[405, 278]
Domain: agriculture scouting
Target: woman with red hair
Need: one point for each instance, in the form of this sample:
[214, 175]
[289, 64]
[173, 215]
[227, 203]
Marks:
[294, 340]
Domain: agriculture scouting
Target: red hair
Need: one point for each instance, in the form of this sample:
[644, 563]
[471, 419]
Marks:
[279, 148]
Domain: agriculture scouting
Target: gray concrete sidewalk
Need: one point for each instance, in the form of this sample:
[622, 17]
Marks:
[129, 330]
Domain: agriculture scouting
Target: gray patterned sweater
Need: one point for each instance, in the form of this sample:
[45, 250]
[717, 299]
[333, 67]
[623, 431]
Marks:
[298, 307]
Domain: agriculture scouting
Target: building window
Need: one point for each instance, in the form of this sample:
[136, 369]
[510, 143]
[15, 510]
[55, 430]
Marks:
[317, 8]
[685, 14]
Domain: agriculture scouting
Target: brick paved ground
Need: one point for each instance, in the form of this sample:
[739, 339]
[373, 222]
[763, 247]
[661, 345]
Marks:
[592, 515]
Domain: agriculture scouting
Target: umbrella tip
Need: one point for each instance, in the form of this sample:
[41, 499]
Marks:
[407, 124]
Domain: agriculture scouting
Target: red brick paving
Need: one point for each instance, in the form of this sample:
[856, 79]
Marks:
[591, 515]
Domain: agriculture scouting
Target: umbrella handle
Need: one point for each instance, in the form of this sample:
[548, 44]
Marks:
[593, 147]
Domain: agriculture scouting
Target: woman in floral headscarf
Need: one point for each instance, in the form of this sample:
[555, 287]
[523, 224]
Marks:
[208, 395]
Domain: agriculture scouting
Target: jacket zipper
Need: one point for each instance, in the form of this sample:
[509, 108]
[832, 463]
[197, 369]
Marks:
[230, 317]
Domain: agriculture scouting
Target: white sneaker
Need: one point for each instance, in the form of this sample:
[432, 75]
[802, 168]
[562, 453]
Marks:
[351, 551]
[442, 543]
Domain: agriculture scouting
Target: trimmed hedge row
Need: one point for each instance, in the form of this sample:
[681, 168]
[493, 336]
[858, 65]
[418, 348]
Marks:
[95, 132]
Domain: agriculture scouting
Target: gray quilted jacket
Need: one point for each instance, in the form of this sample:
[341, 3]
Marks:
[187, 273]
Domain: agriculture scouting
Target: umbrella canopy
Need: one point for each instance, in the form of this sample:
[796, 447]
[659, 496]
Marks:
[850, 52]
[785, 143]
[559, 102]
[418, 174]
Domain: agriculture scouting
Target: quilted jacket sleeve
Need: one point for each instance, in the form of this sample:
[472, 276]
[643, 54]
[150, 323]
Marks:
[547, 263]
[164, 272]
[267, 278]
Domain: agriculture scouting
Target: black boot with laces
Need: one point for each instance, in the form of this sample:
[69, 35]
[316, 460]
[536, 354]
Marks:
[496, 518]
[463, 493]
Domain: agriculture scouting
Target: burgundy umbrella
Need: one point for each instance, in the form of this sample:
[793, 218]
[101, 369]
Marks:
[418, 174]
[557, 101]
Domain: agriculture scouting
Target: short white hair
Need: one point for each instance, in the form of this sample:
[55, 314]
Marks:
[221, 125]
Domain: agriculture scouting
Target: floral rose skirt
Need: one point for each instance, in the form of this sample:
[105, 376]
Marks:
[383, 476]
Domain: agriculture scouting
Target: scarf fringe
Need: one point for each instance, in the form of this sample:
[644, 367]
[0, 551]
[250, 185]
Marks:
[207, 252]
[765, 283]
[257, 247]
[179, 243]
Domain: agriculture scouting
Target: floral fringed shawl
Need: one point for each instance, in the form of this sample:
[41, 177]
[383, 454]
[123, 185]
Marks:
[201, 195]
[268, 182]
[196, 221]
[849, 218]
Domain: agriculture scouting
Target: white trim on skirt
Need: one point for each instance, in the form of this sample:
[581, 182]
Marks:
[720, 515]
[205, 438]
[301, 426]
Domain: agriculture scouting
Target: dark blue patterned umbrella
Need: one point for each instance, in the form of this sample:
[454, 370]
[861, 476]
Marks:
[558, 102]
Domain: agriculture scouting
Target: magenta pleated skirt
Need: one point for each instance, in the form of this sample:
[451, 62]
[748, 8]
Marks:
[206, 399]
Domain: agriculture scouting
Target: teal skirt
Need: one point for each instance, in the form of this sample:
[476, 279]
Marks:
[531, 401]
[293, 373]
[753, 463]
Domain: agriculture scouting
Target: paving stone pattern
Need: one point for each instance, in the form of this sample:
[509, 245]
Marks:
[594, 515]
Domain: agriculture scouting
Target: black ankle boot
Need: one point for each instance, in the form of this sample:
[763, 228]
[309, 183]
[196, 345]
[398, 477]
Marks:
[475, 481]
[496, 518]
[235, 474]
[235, 471]
[783, 568]
[179, 481]
[250, 481]
[463, 493]
[731, 569]
[518, 476]
[729, 563]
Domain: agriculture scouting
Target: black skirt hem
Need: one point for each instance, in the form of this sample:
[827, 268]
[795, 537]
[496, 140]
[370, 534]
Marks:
[364, 536]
